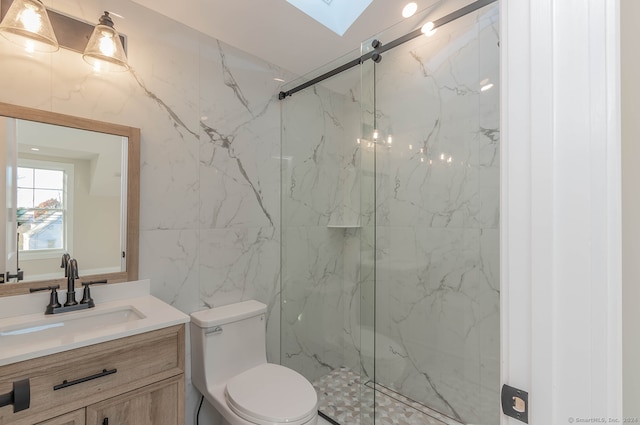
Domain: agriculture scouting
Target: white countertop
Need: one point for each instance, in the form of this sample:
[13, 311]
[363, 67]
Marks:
[129, 302]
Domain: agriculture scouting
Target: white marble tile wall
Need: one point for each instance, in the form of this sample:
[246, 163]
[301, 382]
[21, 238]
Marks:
[210, 142]
[321, 190]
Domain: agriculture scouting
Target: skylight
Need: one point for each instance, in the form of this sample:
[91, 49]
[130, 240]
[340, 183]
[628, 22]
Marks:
[337, 15]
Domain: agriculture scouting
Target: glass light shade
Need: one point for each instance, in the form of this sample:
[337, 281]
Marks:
[104, 50]
[27, 24]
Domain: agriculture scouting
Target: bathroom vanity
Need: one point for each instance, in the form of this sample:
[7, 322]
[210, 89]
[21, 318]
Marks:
[121, 362]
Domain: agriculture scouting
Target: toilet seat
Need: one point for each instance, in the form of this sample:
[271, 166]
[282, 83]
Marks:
[271, 394]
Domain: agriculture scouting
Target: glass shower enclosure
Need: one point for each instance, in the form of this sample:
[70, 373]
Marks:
[390, 245]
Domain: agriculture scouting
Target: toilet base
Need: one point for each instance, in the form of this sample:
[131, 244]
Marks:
[313, 421]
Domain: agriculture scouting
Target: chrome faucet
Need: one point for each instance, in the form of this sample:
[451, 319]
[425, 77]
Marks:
[72, 275]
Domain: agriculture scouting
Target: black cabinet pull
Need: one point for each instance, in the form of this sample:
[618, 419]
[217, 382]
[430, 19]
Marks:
[66, 383]
[20, 397]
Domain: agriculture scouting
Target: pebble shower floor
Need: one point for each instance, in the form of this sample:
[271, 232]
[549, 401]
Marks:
[344, 398]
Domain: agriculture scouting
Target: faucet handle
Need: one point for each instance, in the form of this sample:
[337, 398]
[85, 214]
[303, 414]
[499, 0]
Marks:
[53, 299]
[44, 288]
[86, 293]
[95, 282]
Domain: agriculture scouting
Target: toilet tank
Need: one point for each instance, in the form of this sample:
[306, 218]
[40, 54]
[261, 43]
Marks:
[226, 341]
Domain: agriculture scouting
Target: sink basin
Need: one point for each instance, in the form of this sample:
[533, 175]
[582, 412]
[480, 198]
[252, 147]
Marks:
[122, 310]
[66, 326]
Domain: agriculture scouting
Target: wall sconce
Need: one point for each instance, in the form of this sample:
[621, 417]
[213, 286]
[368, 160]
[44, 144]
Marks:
[101, 46]
[27, 23]
[104, 50]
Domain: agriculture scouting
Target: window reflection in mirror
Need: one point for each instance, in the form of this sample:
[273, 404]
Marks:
[69, 198]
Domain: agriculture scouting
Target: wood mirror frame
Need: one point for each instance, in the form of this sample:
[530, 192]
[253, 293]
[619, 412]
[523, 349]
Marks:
[133, 192]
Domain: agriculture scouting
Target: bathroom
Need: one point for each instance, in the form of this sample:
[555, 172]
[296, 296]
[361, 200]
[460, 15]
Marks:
[211, 184]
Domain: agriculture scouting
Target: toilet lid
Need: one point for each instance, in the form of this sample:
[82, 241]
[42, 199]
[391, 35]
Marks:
[270, 393]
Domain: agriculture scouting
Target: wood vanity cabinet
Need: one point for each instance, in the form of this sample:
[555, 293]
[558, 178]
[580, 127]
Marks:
[151, 405]
[137, 380]
[73, 418]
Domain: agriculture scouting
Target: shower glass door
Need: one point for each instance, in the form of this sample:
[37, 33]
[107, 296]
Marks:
[321, 220]
[429, 236]
[389, 225]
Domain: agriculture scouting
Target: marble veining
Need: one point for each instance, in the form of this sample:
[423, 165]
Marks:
[176, 119]
[231, 82]
[226, 142]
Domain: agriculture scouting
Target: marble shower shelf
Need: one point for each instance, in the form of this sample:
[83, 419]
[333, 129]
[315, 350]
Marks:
[343, 226]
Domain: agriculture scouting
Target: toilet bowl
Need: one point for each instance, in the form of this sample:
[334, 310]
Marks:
[229, 367]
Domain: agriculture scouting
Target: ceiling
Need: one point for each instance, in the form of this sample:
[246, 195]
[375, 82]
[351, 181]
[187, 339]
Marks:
[48, 142]
[279, 33]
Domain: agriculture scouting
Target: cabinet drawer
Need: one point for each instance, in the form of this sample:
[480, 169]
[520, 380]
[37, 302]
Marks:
[90, 374]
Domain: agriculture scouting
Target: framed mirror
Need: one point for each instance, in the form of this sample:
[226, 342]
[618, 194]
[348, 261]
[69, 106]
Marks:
[70, 185]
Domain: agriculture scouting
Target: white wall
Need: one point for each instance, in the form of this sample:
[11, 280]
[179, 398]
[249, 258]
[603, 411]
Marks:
[96, 227]
[560, 233]
[630, 88]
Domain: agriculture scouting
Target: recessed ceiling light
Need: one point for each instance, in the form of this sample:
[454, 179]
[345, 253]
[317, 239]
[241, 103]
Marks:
[280, 80]
[428, 30]
[409, 10]
[35, 149]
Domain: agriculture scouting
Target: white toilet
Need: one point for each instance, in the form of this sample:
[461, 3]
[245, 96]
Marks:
[229, 367]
